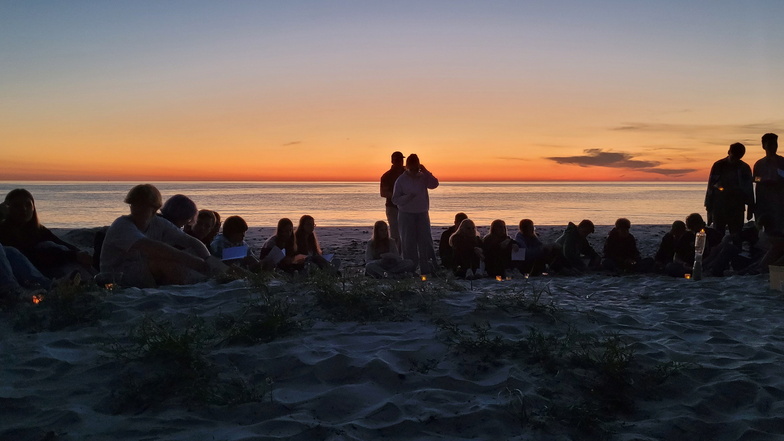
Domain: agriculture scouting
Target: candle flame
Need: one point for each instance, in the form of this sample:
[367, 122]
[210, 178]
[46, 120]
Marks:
[687, 276]
[424, 278]
[499, 278]
[37, 299]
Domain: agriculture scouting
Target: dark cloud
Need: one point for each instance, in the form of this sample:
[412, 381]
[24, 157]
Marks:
[292, 143]
[599, 158]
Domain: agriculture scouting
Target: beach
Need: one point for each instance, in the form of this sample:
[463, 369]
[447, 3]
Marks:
[636, 357]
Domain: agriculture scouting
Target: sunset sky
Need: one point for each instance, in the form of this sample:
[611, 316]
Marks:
[326, 90]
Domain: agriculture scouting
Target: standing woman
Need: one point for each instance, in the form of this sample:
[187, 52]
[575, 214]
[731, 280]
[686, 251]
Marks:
[413, 204]
[50, 254]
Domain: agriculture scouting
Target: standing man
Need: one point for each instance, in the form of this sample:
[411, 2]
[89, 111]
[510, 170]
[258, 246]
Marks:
[769, 176]
[413, 203]
[730, 191]
[387, 187]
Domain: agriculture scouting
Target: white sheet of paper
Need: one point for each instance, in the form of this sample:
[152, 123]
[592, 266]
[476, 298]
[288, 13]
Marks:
[328, 257]
[275, 256]
[235, 252]
[519, 254]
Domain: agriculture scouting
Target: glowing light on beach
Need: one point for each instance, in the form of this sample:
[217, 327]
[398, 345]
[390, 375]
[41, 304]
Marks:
[424, 278]
[499, 278]
[37, 299]
[687, 276]
[109, 286]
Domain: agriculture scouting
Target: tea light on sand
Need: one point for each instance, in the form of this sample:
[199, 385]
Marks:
[499, 278]
[424, 278]
[687, 276]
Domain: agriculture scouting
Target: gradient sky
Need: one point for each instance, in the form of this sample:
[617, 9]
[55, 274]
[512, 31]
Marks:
[307, 90]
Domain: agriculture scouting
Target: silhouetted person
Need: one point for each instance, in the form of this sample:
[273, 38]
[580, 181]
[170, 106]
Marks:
[537, 254]
[204, 226]
[574, 247]
[285, 241]
[179, 210]
[382, 259]
[467, 248]
[769, 177]
[621, 252]
[683, 261]
[730, 191]
[667, 247]
[497, 248]
[388, 180]
[444, 249]
[413, 203]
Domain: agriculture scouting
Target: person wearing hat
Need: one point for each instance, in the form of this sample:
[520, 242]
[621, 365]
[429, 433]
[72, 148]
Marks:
[387, 187]
[413, 203]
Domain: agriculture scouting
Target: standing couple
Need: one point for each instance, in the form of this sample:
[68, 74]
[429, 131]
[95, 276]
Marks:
[408, 205]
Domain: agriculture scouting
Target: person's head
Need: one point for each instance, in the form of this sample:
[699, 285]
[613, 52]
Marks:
[397, 159]
[380, 231]
[285, 228]
[179, 210]
[234, 228]
[770, 143]
[21, 208]
[622, 226]
[205, 222]
[467, 228]
[306, 225]
[736, 152]
[527, 228]
[412, 164]
[694, 222]
[498, 228]
[585, 227]
[460, 217]
[144, 200]
[678, 228]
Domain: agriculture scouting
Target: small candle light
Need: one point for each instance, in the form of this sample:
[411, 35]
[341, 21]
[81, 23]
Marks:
[424, 277]
[508, 277]
[499, 278]
[687, 275]
[37, 299]
[526, 275]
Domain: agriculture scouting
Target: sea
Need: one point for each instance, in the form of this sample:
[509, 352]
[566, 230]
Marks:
[349, 204]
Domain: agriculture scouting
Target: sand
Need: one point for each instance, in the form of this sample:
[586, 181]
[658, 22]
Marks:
[550, 358]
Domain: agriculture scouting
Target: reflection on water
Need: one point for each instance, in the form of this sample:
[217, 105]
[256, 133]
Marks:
[90, 204]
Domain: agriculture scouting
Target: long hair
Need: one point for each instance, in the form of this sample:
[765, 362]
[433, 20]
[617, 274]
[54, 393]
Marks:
[497, 230]
[467, 228]
[380, 244]
[306, 242]
[33, 223]
[288, 244]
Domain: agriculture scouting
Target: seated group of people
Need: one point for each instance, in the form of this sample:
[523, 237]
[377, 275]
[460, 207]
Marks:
[464, 252]
[182, 245]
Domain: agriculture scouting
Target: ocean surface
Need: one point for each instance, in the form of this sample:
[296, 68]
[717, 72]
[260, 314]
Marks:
[92, 204]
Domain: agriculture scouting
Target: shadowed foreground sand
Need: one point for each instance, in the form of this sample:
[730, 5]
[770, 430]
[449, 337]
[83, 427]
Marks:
[592, 357]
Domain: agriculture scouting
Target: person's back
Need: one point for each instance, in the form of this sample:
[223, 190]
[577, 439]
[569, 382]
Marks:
[445, 251]
[573, 245]
[730, 190]
[769, 178]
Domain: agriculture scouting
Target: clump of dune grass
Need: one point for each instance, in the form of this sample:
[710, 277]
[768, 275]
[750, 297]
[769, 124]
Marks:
[165, 363]
[61, 307]
[525, 297]
[266, 315]
[355, 297]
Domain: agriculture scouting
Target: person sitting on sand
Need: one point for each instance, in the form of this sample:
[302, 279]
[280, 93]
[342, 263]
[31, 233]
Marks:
[667, 247]
[283, 239]
[467, 249]
[683, 261]
[572, 247]
[142, 246]
[620, 250]
[444, 250]
[20, 280]
[179, 210]
[497, 248]
[233, 236]
[730, 253]
[308, 244]
[730, 190]
[382, 258]
[537, 254]
[22, 230]
[204, 227]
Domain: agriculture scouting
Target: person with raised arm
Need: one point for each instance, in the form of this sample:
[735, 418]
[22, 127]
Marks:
[413, 202]
[143, 246]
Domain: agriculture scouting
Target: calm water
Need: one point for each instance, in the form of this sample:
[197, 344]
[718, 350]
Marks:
[90, 204]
